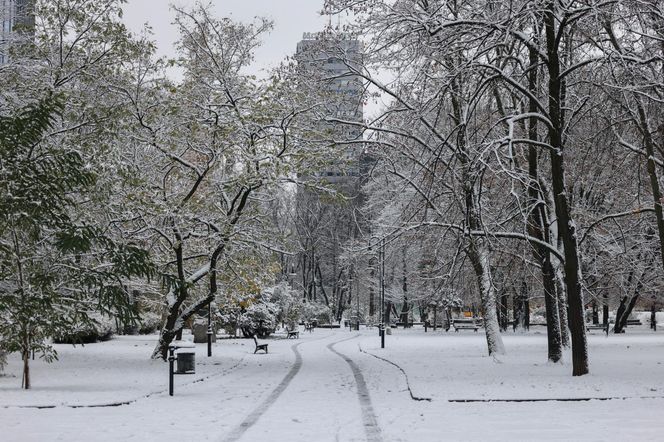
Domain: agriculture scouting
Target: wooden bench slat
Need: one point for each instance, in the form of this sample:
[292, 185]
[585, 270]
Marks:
[465, 324]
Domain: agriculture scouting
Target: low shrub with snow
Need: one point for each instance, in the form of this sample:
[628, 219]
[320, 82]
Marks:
[259, 319]
[289, 304]
[149, 323]
[320, 313]
[99, 329]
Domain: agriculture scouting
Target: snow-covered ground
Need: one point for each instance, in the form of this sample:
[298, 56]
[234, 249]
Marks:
[340, 385]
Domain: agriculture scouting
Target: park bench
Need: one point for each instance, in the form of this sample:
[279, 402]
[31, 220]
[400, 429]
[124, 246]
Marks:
[465, 324]
[603, 327]
[308, 326]
[259, 346]
[295, 334]
[633, 322]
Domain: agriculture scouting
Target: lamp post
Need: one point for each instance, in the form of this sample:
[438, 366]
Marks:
[382, 292]
[357, 301]
[209, 330]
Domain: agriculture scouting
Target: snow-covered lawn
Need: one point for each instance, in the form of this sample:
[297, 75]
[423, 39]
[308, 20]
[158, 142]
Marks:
[307, 390]
[455, 366]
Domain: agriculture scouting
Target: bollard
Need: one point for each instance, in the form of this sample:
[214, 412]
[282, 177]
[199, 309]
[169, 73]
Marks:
[209, 340]
[382, 335]
[171, 360]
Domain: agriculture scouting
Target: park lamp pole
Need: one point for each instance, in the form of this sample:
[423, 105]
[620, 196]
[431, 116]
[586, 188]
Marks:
[357, 301]
[209, 330]
[382, 292]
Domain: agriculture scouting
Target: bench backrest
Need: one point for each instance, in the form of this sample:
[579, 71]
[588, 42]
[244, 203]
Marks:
[255, 340]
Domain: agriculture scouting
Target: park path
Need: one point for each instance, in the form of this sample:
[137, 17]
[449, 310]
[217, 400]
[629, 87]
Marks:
[371, 427]
[323, 397]
[318, 388]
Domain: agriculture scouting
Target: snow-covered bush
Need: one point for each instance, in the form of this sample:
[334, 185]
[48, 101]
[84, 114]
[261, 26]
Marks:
[149, 323]
[289, 303]
[261, 314]
[259, 319]
[320, 313]
[100, 329]
[230, 312]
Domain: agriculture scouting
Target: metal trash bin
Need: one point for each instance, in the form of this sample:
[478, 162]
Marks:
[186, 362]
[186, 358]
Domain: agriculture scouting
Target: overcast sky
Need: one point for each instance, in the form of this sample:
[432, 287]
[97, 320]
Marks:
[291, 18]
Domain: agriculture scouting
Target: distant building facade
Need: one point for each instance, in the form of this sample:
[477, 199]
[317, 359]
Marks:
[334, 62]
[15, 16]
[330, 65]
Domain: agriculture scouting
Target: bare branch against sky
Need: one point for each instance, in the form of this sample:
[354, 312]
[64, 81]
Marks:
[291, 18]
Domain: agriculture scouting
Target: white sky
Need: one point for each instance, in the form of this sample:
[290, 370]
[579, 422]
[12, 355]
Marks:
[291, 19]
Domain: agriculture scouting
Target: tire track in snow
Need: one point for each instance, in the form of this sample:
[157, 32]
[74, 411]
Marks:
[253, 417]
[371, 428]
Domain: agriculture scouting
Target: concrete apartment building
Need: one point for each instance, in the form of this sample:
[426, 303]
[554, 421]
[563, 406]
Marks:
[332, 61]
[326, 227]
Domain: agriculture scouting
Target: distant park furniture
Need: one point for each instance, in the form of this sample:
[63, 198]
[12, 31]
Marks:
[309, 326]
[259, 346]
[465, 324]
[603, 327]
[294, 334]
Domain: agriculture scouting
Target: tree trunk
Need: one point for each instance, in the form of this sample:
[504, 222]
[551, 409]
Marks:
[404, 307]
[25, 383]
[621, 323]
[177, 295]
[521, 309]
[504, 312]
[605, 310]
[562, 310]
[595, 313]
[372, 302]
[388, 312]
[537, 222]
[477, 250]
[553, 329]
[479, 258]
[617, 328]
[565, 223]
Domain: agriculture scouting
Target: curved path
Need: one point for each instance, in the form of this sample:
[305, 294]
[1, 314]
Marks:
[371, 428]
[250, 420]
[324, 396]
[314, 389]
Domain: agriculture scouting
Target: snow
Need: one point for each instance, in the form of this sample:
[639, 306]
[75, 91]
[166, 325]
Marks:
[182, 345]
[307, 390]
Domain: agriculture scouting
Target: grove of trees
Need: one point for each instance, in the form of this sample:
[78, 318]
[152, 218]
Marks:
[520, 155]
